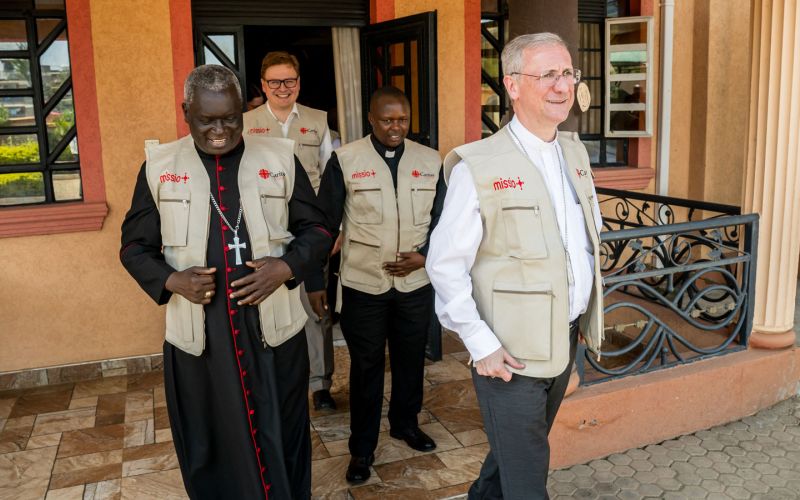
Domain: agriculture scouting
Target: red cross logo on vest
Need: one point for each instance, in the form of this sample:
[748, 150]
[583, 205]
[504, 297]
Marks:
[263, 173]
[415, 173]
[303, 130]
[185, 177]
[520, 183]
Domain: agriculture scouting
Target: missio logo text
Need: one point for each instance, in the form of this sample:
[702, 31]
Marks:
[362, 174]
[501, 184]
[170, 177]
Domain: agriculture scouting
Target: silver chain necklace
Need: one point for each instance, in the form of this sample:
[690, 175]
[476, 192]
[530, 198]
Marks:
[565, 240]
[236, 245]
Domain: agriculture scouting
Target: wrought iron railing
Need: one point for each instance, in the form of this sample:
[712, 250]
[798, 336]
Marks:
[678, 283]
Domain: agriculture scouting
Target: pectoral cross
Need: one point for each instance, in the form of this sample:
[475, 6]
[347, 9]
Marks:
[238, 247]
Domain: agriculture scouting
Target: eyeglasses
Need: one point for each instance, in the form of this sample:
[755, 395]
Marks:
[289, 83]
[550, 78]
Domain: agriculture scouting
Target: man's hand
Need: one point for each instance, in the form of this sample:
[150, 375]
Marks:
[406, 263]
[319, 303]
[196, 284]
[269, 274]
[494, 365]
[337, 245]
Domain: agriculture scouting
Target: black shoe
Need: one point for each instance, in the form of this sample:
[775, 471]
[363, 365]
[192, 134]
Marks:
[415, 438]
[323, 400]
[358, 470]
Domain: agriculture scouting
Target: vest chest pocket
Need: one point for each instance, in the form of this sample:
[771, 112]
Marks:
[173, 209]
[308, 153]
[275, 209]
[511, 303]
[422, 196]
[366, 204]
[524, 231]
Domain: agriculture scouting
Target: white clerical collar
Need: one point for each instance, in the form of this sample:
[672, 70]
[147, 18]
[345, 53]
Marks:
[294, 111]
[531, 141]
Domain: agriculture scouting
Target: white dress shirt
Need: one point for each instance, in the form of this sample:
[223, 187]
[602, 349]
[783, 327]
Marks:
[325, 146]
[455, 241]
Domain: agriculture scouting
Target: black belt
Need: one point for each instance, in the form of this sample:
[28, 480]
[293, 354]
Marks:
[573, 324]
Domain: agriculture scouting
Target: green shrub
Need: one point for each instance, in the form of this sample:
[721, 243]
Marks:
[26, 152]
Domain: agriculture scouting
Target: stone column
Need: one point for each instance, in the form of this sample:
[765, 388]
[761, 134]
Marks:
[772, 183]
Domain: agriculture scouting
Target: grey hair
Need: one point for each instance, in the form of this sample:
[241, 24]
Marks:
[210, 77]
[513, 51]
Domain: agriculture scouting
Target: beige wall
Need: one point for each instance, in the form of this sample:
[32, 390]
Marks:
[710, 96]
[66, 298]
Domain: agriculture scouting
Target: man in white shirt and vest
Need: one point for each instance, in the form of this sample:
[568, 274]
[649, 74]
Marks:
[515, 264]
[222, 229]
[281, 116]
[387, 193]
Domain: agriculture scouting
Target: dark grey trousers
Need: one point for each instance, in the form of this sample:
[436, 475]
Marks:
[517, 417]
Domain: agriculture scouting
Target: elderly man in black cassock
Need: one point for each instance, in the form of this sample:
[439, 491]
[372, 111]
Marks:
[222, 229]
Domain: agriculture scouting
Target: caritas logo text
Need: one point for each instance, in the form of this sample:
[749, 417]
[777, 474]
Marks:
[266, 174]
[417, 173]
[501, 184]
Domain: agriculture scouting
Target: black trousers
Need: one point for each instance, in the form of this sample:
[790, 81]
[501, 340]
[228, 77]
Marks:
[517, 417]
[368, 322]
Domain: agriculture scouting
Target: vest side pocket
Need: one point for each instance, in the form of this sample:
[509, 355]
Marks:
[422, 196]
[181, 319]
[524, 231]
[511, 303]
[366, 204]
[419, 275]
[363, 263]
[173, 210]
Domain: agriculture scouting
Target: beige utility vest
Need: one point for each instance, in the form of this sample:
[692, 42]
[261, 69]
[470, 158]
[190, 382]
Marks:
[519, 278]
[180, 187]
[379, 222]
[307, 129]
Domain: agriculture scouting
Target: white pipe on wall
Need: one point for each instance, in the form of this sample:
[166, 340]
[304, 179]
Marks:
[665, 96]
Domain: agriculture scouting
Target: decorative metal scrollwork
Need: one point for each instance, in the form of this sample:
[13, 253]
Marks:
[677, 288]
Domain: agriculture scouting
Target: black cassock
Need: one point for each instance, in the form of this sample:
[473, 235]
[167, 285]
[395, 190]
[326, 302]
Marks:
[239, 411]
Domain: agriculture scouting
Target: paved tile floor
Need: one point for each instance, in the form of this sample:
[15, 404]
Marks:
[110, 438]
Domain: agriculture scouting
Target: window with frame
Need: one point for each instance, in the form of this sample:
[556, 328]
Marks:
[603, 151]
[39, 159]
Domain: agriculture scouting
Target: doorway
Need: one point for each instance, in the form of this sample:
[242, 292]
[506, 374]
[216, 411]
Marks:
[313, 47]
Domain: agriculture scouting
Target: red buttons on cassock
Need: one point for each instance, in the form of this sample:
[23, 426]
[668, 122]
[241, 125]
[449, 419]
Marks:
[252, 412]
[236, 332]
[240, 352]
[229, 269]
[222, 188]
[220, 169]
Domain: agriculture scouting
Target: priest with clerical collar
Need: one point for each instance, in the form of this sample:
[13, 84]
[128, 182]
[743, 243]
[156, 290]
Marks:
[387, 194]
[222, 229]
